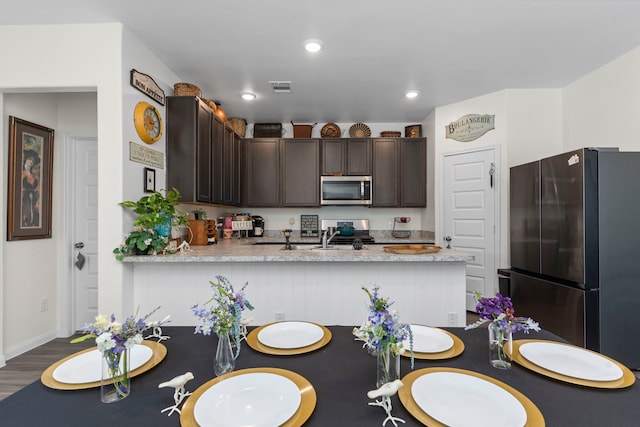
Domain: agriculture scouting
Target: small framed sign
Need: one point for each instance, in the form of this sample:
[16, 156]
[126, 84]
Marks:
[149, 180]
[308, 225]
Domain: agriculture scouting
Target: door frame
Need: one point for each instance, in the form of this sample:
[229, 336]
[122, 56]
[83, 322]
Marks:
[440, 223]
[66, 290]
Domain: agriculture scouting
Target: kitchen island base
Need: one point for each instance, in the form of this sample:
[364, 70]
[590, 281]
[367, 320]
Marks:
[330, 293]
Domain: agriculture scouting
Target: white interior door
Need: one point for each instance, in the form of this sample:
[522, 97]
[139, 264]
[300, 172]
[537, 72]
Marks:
[85, 231]
[469, 216]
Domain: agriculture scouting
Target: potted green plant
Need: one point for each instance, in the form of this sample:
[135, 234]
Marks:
[152, 227]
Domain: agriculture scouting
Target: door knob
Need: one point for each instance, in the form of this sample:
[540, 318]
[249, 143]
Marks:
[448, 240]
[79, 245]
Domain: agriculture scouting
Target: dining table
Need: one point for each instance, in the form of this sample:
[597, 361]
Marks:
[341, 373]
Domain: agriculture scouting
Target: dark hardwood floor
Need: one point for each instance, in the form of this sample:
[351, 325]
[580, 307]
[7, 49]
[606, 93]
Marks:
[24, 369]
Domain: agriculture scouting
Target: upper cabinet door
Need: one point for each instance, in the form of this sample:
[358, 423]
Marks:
[346, 156]
[300, 172]
[413, 172]
[385, 172]
[334, 157]
[263, 172]
[358, 157]
[189, 133]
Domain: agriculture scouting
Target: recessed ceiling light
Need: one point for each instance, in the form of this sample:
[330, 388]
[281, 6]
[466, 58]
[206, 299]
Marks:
[248, 96]
[313, 46]
[411, 94]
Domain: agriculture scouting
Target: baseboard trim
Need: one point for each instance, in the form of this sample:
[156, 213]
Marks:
[28, 345]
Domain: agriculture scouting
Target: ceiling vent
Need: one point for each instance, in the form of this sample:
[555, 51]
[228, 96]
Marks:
[281, 86]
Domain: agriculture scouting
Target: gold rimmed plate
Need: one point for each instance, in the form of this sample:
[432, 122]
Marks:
[533, 414]
[455, 350]
[628, 378]
[254, 343]
[302, 414]
[159, 351]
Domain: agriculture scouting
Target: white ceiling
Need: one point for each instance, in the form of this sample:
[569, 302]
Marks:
[374, 50]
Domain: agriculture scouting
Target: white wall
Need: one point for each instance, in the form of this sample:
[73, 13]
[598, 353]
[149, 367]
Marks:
[78, 58]
[26, 285]
[66, 113]
[70, 58]
[528, 125]
[601, 109]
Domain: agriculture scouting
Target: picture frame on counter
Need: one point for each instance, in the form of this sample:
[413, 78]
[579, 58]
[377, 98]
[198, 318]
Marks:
[30, 180]
[149, 180]
[413, 131]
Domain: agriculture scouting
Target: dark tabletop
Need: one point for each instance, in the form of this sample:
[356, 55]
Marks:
[341, 372]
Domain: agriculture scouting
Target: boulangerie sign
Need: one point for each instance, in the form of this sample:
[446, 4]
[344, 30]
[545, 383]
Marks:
[470, 127]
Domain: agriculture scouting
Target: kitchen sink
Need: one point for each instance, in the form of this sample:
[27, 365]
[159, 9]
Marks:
[320, 248]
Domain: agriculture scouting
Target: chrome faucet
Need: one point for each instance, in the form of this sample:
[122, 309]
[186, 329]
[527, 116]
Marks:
[326, 240]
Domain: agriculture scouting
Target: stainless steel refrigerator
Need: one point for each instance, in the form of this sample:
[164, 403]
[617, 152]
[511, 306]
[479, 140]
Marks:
[575, 248]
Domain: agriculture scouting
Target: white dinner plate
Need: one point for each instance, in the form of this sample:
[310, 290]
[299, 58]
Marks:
[85, 367]
[428, 340]
[462, 400]
[290, 334]
[248, 400]
[571, 361]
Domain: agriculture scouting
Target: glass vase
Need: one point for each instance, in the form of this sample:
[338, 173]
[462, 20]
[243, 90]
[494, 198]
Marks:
[499, 340]
[225, 360]
[388, 366]
[115, 384]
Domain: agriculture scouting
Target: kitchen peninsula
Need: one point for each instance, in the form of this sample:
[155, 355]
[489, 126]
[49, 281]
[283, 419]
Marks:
[322, 286]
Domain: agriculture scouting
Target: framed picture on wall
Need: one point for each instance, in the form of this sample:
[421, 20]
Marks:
[414, 131]
[30, 180]
[149, 180]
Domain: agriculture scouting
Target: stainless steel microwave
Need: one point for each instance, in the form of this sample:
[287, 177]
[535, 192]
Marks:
[345, 190]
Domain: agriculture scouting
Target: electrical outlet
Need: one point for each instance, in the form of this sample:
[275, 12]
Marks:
[279, 316]
[292, 221]
[452, 319]
[44, 304]
[390, 225]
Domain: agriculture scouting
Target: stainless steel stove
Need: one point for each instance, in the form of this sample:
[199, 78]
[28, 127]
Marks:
[360, 230]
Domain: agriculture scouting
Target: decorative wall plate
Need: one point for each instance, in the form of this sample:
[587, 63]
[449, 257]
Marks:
[359, 130]
[330, 130]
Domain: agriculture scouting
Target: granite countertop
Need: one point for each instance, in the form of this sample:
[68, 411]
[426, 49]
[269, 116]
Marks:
[246, 250]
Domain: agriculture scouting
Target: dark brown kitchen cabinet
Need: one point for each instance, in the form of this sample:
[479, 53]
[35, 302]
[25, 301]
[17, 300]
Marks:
[262, 177]
[399, 172]
[346, 156]
[413, 172]
[385, 178]
[231, 168]
[300, 172]
[189, 148]
[217, 160]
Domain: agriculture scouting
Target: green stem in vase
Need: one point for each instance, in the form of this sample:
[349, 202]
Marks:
[117, 372]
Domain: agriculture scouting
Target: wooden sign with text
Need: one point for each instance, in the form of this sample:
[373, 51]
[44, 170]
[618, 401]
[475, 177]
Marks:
[470, 127]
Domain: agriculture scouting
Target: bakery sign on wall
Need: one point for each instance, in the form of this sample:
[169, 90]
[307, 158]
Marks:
[470, 127]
